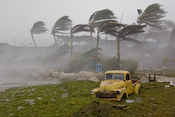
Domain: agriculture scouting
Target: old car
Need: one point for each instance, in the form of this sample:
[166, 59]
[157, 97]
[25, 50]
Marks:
[116, 85]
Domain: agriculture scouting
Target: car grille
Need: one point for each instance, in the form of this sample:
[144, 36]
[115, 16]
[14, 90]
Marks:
[105, 95]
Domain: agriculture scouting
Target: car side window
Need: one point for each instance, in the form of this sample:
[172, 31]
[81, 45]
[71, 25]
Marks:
[127, 76]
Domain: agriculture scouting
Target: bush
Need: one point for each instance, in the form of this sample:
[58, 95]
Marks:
[108, 64]
[130, 65]
[126, 64]
[78, 62]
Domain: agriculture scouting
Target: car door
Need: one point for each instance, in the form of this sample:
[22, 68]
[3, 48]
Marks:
[129, 85]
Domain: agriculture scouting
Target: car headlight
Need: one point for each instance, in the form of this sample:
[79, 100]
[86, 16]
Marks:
[92, 92]
[118, 92]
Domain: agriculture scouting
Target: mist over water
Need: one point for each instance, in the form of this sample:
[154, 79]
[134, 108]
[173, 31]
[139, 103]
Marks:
[6, 83]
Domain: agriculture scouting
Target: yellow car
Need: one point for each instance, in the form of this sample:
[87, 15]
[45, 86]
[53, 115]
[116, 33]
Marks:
[117, 85]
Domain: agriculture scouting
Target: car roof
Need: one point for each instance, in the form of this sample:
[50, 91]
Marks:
[117, 71]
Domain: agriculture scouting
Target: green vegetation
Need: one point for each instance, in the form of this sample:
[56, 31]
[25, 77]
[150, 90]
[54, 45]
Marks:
[127, 64]
[77, 62]
[154, 100]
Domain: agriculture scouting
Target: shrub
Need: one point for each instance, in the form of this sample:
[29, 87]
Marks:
[126, 64]
[130, 65]
[78, 62]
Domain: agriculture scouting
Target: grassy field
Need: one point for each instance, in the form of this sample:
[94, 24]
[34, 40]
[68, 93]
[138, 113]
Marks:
[47, 101]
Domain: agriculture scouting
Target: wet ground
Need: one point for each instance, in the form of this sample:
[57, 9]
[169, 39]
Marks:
[7, 83]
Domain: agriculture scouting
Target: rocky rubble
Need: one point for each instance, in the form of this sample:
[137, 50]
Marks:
[48, 74]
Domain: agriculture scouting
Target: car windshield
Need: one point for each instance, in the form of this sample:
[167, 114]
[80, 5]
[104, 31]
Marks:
[118, 76]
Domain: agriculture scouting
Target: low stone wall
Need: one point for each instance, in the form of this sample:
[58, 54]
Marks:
[47, 74]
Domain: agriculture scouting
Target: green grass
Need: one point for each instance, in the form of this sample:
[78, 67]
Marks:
[154, 100]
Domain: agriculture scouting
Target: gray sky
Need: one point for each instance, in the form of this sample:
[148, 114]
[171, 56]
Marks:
[18, 16]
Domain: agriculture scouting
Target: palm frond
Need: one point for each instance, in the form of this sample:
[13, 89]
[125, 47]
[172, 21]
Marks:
[38, 28]
[109, 24]
[62, 24]
[111, 31]
[154, 8]
[38, 24]
[132, 40]
[152, 15]
[80, 28]
[61, 32]
[155, 25]
[110, 27]
[92, 17]
[131, 29]
[100, 16]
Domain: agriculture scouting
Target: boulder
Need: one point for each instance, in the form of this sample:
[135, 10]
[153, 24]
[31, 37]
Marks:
[99, 75]
[63, 75]
[73, 75]
[45, 74]
[49, 78]
[95, 79]
[86, 74]
[55, 74]
[53, 70]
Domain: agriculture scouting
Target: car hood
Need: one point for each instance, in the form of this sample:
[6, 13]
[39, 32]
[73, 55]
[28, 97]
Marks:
[109, 85]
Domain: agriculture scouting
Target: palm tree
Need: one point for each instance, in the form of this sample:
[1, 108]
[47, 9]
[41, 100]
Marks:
[76, 29]
[61, 25]
[38, 28]
[151, 16]
[98, 17]
[121, 32]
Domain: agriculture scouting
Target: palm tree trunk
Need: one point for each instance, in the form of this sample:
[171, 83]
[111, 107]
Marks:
[54, 38]
[33, 40]
[71, 45]
[118, 54]
[97, 40]
[90, 39]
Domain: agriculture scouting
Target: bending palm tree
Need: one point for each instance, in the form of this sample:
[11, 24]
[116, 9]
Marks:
[97, 18]
[121, 32]
[61, 25]
[76, 29]
[151, 16]
[38, 28]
